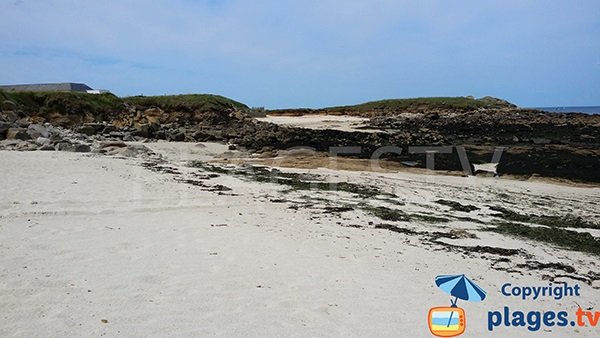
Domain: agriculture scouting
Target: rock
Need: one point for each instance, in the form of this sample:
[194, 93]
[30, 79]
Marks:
[96, 125]
[129, 151]
[587, 137]
[26, 146]
[177, 136]
[17, 134]
[142, 130]
[40, 141]
[23, 123]
[86, 130]
[64, 146]
[202, 136]
[117, 144]
[109, 129]
[487, 169]
[153, 113]
[36, 130]
[539, 140]
[9, 143]
[82, 148]
[117, 134]
[128, 138]
[267, 154]
[154, 127]
[50, 128]
[47, 147]
[4, 126]
[9, 116]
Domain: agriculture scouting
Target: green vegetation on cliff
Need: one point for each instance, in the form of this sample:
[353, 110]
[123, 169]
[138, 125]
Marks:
[186, 103]
[79, 103]
[62, 102]
[74, 103]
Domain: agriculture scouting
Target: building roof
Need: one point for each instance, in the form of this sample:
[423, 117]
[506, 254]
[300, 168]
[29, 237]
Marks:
[47, 87]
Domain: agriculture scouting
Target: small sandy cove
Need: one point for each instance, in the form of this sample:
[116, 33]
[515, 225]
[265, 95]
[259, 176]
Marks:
[147, 245]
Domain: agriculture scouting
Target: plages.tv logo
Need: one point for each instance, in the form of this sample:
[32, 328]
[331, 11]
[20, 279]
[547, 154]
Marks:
[451, 321]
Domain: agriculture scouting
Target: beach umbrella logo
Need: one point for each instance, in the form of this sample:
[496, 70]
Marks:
[451, 321]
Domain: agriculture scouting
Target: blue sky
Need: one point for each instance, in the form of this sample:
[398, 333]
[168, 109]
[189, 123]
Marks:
[310, 53]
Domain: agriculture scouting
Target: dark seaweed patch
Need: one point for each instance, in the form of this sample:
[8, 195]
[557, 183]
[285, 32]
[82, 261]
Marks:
[568, 239]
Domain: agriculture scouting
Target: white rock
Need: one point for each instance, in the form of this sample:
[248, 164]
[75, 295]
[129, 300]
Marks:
[42, 141]
[486, 168]
[37, 130]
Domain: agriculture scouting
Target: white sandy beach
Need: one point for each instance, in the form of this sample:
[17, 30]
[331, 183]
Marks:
[335, 122]
[93, 245]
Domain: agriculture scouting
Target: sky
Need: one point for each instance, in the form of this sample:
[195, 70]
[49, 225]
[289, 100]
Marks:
[310, 53]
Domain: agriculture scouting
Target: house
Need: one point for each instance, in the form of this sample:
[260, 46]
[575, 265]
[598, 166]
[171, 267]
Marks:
[53, 87]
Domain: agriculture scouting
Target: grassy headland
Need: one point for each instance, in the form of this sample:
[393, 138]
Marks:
[61, 102]
[74, 103]
[403, 105]
[185, 103]
[458, 103]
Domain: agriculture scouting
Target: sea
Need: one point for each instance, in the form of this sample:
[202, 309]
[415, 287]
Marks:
[586, 109]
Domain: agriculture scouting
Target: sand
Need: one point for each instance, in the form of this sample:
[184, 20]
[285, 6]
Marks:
[341, 122]
[95, 245]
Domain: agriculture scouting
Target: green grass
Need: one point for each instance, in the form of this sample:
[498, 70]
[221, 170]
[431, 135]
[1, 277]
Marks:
[463, 103]
[74, 103]
[568, 239]
[186, 103]
[62, 102]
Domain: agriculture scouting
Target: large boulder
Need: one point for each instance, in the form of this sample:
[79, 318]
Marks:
[26, 146]
[36, 130]
[9, 144]
[9, 116]
[176, 135]
[112, 143]
[153, 115]
[109, 129]
[90, 129]
[82, 148]
[40, 141]
[47, 147]
[64, 146]
[17, 134]
[4, 126]
[142, 130]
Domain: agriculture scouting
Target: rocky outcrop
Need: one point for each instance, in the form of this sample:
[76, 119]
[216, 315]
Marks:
[547, 144]
[36, 130]
[17, 134]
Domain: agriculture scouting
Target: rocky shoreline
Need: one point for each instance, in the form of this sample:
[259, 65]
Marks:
[534, 143]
